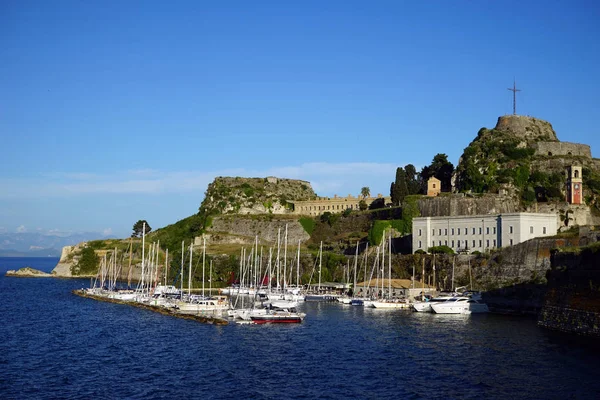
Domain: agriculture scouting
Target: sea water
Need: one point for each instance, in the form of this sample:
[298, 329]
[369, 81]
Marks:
[54, 344]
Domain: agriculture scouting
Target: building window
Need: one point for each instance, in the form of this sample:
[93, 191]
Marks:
[544, 230]
[452, 231]
[440, 232]
[511, 242]
[433, 232]
[434, 185]
[446, 231]
[473, 243]
[531, 229]
[494, 230]
[419, 244]
[487, 243]
[510, 229]
[473, 231]
[487, 230]
[480, 244]
[453, 243]
[458, 230]
[419, 232]
[494, 242]
[445, 243]
[480, 230]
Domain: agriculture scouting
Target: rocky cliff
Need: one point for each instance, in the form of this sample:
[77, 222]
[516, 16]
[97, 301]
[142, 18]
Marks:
[236, 195]
[244, 230]
[467, 205]
[527, 129]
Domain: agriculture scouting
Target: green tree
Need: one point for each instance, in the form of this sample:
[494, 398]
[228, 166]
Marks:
[365, 192]
[399, 188]
[138, 228]
[362, 205]
[412, 179]
[87, 264]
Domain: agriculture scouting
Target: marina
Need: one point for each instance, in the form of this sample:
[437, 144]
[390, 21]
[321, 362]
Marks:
[68, 346]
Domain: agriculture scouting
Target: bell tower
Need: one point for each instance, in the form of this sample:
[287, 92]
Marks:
[574, 185]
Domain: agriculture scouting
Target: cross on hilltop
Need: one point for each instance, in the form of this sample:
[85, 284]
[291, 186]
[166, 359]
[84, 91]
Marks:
[514, 90]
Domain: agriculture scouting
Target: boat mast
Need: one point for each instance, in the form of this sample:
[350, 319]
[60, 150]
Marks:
[270, 270]
[285, 257]
[277, 259]
[181, 273]
[256, 266]
[260, 267]
[365, 272]
[166, 266]
[320, 259]
[355, 265]
[390, 266]
[190, 272]
[158, 271]
[382, 264]
[143, 253]
[203, 259]
[130, 255]
[298, 268]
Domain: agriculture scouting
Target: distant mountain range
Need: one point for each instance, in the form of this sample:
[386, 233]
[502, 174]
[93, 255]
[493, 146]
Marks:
[41, 245]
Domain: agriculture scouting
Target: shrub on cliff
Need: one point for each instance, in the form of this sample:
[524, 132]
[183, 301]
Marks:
[308, 224]
[440, 250]
[87, 264]
[376, 232]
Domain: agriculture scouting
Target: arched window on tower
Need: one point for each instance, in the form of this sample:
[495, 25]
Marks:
[576, 174]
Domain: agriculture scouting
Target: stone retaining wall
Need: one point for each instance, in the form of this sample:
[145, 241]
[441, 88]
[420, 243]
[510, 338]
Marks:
[570, 320]
[572, 302]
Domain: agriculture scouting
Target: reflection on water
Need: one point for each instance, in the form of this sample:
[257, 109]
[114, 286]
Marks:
[57, 345]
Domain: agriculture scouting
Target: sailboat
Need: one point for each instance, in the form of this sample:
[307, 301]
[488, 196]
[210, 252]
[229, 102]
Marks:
[320, 295]
[388, 302]
[201, 304]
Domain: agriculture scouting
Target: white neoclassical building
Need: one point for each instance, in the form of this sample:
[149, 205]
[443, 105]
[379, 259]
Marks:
[481, 232]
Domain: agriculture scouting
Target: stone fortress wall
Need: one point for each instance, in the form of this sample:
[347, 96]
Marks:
[562, 149]
[333, 204]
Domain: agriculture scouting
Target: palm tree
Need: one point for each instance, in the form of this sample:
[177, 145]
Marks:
[365, 192]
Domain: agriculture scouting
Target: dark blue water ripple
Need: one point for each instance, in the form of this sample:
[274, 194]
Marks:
[57, 345]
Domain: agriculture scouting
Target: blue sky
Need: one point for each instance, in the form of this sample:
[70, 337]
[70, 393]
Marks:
[114, 111]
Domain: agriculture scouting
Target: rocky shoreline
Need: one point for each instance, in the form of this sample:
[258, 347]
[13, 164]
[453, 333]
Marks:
[28, 272]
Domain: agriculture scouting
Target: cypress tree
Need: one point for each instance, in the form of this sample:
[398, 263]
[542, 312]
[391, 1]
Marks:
[400, 189]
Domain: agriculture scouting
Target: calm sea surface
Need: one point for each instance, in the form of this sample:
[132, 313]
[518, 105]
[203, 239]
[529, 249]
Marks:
[54, 344]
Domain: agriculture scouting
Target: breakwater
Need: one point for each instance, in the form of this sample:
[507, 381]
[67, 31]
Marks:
[160, 310]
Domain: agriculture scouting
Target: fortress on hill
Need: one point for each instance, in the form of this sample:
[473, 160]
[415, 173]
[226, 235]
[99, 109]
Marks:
[334, 204]
[540, 136]
[486, 181]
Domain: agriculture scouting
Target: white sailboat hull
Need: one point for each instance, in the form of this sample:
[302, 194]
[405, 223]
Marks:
[390, 305]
